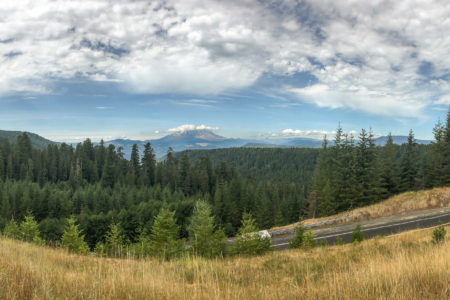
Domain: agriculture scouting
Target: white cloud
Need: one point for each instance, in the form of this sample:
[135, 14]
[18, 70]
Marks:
[364, 55]
[315, 134]
[187, 127]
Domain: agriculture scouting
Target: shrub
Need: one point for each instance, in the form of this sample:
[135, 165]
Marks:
[339, 241]
[296, 242]
[357, 235]
[308, 240]
[324, 243]
[438, 235]
[249, 242]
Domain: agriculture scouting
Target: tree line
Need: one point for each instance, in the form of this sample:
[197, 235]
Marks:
[352, 173]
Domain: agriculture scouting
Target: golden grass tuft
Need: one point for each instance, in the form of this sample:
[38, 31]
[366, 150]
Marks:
[404, 266]
[396, 205]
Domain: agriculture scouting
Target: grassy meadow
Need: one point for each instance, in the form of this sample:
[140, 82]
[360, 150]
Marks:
[404, 266]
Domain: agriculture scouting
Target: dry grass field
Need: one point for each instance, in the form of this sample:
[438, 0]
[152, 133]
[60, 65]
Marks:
[400, 204]
[404, 266]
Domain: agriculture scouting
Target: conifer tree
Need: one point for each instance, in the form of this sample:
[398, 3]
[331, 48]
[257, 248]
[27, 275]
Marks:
[115, 241]
[249, 241]
[12, 230]
[389, 169]
[72, 240]
[409, 164]
[204, 240]
[109, 176]
[135, 167]
[297, 241]
[367, 170]
[29, 230]
[165, 242]
[321, 198]
[149, 165]
[446, 167]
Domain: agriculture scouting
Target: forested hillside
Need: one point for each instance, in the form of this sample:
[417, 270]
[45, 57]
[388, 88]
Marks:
[101, 189]
[281, 165]
[37, 141]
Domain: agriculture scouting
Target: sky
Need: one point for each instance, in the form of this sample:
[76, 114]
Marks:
[248, 68]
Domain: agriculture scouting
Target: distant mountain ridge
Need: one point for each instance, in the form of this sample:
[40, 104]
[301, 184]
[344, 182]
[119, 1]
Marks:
[206, 139]
[200, 139]
[179, 141]
[37, 141]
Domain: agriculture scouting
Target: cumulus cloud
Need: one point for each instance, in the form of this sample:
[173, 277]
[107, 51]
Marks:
[187, 127]
[382, 57]
[315, 134]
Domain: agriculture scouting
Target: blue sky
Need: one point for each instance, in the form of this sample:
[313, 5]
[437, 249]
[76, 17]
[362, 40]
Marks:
[144, 69]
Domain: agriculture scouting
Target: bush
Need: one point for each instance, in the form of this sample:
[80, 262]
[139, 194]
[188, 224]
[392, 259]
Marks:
[296, 242]
[438, 235]
[249, 242]
[308, 240]
[357, 235]
[339, 241]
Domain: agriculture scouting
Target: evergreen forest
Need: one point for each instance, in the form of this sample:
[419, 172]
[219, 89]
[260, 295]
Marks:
[97, 193]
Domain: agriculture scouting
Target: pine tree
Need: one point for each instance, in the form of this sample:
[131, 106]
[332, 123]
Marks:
[249, 241]
[72, 239]
[12, 230]
[109, 174]
[446, 167]
[185, 176]
[135, 167]
[149, 165]
[367, 170]
[205, 242]
[389, 169]
[29, 230]
[115, 241]
[321, 200]
[438, 152]
[409, 164]
[297, 241]
[165, 242]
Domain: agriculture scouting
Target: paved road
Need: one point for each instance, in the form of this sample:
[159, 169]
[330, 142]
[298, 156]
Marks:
[371, 228]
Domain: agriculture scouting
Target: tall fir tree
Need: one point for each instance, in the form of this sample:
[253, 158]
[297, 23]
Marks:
[149, 165]
[389, 168]
[165, 242]
[72, 240]
[205, 241]
[409, 168]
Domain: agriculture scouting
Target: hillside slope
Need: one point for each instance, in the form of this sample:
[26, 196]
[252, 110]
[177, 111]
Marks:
[396, 205]
[37, 141]
[404, 266]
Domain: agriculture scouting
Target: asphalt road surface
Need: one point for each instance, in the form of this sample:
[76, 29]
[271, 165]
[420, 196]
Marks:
[371, 228]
